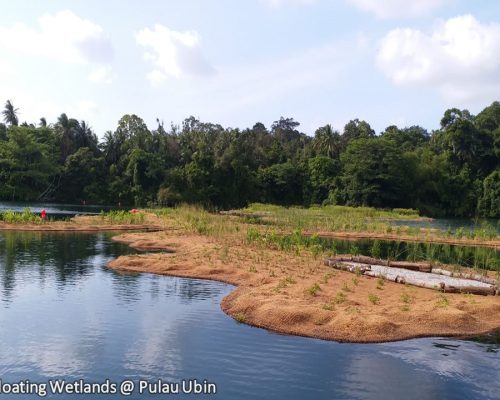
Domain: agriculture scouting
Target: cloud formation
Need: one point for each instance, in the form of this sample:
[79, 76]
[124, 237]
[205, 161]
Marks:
[397, 8]
[62, 37]
[460, 57]
[173, 54]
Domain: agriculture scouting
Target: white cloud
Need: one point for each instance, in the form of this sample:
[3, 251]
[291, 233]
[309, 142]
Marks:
[397, 8]
[101, 74]
[460, 57]
[63, 37]
[173, 54]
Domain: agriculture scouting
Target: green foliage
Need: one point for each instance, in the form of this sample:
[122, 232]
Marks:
[373, 298]
[122, 217]
[26, 216]
[453, 171]
[314, 289]
[489, 202]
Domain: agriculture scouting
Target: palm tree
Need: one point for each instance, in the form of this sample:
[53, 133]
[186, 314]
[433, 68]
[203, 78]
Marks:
[84, 137]
[65, 130]
[10, 114]
[43, 122]
[327, 141]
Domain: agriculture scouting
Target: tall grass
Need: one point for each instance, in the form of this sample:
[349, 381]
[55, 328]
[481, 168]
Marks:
[122, 217]
[329, 218]
[24, 217]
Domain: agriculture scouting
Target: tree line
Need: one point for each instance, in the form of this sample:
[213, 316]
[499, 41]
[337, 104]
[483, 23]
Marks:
[452, 171]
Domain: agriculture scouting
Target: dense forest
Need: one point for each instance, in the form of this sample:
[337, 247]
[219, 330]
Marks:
[453, 171]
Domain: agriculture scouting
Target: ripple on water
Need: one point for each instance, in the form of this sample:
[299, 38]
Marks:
[67, 315]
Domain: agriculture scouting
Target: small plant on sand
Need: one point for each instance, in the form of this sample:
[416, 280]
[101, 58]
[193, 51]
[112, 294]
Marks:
[355, 281]
[314, 289]
[406, 298]
[339, 298]
[253, 235]
[346, 288]
[352, 310]
[470, 297]
[380, 282]
[252, 269]
[442, 301]
[328, 306]
[239, 317]
[272, 274]
[327, 277]
[374, 299]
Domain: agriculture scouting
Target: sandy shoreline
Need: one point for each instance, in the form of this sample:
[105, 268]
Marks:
[86, 224]
[276, 291]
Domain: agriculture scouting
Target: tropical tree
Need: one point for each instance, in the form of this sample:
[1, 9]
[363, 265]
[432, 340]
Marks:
[10, 114]
[326, 142]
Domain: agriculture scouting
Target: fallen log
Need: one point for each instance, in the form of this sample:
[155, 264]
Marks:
[344, 266]
[475, 277]
[484, 291]
[370, 260]
[413, 266]
[361, 259]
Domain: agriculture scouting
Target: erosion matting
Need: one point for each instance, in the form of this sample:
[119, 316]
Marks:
[296, 294]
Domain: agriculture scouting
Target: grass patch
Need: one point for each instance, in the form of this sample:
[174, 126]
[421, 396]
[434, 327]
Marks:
[373, 298]
[24, 217]
[121, 217]
[314, 289]
[340, 298]
[442, 301]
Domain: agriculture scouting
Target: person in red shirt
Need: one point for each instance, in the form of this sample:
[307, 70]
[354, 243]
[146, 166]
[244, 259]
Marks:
[43, 214]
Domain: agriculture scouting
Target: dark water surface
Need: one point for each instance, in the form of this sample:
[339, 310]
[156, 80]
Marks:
[53, 210]
[64, 315]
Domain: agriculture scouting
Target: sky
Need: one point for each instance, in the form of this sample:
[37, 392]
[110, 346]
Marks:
[236, 63]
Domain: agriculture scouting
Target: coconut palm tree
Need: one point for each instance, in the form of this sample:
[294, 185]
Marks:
[10, 114]
[84, 137]
[65, 131]
[327, 141]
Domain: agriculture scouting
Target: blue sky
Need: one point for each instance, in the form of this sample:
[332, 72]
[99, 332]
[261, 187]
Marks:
[238, 62]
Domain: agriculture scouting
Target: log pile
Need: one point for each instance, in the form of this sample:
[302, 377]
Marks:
[463, 282]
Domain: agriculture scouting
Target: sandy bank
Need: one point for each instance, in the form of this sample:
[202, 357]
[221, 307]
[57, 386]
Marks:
[84, 224]
[297, 294]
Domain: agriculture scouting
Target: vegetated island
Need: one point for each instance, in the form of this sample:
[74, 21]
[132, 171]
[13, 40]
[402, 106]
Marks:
[282, 284]
[292, 292]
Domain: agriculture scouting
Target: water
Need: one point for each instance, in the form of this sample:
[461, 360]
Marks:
[452, 224]
[53, 210]
[63, 314]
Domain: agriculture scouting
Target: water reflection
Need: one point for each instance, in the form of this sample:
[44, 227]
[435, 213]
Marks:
[470, 256]
[67, 315]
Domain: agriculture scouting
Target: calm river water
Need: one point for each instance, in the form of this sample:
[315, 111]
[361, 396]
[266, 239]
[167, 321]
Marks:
[64, 315]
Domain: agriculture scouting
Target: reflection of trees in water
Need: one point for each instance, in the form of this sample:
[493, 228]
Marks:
[68, 256]
[131, 287]
[470, 256]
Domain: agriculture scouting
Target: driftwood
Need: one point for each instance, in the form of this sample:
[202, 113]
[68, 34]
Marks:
[475, 277]
[363, 264]
[344, 266]
[484, 291]
[413, 266]
[362, 259]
